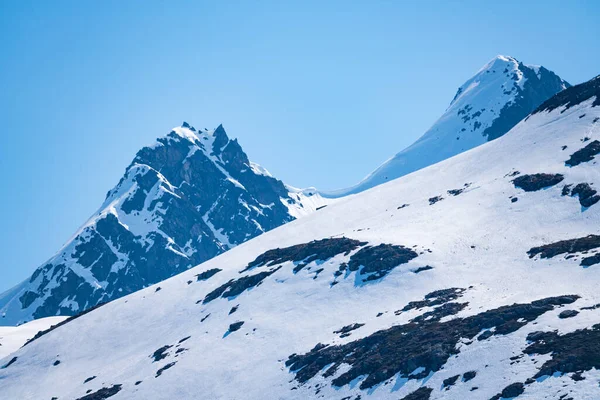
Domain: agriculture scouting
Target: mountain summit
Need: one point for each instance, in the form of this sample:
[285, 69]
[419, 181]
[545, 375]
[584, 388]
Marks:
[191, 195]
[484, 108]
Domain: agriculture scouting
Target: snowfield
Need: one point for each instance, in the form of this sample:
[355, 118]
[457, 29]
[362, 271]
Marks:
[431, 286]
[13, 337]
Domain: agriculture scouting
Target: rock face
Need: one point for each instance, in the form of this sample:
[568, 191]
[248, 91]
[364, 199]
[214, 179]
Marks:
[484, 108]
[188, 197]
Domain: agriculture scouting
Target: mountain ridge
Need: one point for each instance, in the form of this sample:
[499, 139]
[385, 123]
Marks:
[495, 99]
[186, 198]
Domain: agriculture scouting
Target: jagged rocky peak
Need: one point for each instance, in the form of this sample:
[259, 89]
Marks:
[191, 195]
[484, 108]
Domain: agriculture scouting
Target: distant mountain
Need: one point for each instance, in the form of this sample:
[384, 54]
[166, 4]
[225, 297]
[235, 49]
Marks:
[485, 107]
[475, 278]
[190, 196]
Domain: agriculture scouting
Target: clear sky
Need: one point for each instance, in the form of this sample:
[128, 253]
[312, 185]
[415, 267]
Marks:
[318, 92]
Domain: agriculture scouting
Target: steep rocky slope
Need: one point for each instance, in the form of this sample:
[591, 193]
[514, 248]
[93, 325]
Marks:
[190, 196]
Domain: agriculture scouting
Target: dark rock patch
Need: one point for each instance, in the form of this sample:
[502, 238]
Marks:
[403, 348]
[207, 274]
[11, 362]
[591, 260]
[421, 269]
[595, 306]
[514, 199]
[584, 154]
[567, 314]
[204, 318]
[317, 272]
[575, 351]
[512, 390]
[345, 331]
[375, 262]
[433, 200]
[566, 190]
[467, 376]
[235, 287]
[161, 353]
[306, 253]
[137, 383]
[534, 182]
[103, 393]
[577, 377]
[587, 196]
[183, 340]
[455, 192]
[89, 379]
[402, 206]
[569, 246]
[57, 362]
[166, 367]
[450, 381]
[236, 326]
[421, 393]
[233, 309]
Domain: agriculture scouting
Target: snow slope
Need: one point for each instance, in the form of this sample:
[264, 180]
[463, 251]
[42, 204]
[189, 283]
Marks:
[443, 268]
[191, 195]
[13, 337]
[485, 107]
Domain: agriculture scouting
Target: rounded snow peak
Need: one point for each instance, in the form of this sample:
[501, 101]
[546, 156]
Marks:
[500, 61]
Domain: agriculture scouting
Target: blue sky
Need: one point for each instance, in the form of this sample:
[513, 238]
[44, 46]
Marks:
[319, 93]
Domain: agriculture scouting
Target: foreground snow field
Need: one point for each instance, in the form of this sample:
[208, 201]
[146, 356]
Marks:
[472, 278]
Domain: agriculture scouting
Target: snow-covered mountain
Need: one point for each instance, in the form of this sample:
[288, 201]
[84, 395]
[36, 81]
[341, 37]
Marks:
[190, 196]
[485, 107]
[474, 278]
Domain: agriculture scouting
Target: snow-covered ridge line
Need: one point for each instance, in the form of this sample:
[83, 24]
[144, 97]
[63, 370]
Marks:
[484, 108]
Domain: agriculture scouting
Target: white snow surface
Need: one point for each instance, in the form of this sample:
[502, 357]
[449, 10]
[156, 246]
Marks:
[13, 337]
[478, 240]
[480, 99]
